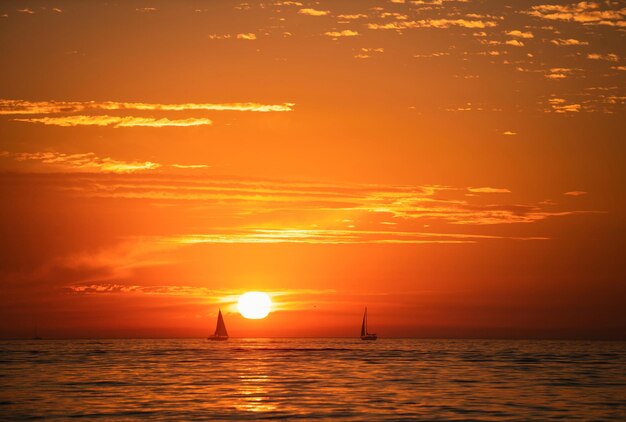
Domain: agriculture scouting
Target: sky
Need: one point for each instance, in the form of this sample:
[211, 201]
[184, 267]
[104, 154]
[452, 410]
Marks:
[455, 166]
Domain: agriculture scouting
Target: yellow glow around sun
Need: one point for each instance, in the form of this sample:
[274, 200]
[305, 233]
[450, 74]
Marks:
[254, 305]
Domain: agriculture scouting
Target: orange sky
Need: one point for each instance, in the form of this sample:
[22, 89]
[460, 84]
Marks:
[456, 166]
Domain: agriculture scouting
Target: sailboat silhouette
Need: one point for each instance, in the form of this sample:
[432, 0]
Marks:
[364, 334]
[220, 330]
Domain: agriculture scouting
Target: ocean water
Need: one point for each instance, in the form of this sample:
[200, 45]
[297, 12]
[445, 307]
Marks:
[334, 379]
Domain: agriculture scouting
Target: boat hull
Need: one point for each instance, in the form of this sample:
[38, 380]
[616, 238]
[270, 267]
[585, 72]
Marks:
[369, 337]
[218, 338]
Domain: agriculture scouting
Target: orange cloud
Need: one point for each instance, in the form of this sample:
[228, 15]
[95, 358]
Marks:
[247, 36]
[8, 106]
[366, 53]
[489, 189]
[559, 105]
[344, 33]
[353, 16]
[313, 12]
[585, 12]
[82, 162]
[433, 23]
[608, 57]
[115, 121]
[520, 34]
[568, 41]
[514, 43]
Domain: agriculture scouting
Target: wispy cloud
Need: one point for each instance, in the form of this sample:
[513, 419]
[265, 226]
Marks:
[514, 43]
[568, 42]
[10, 106]
[575, 193]
[520, 34]
[249, 36]
[313, 12]
[82, 162]
[283, 299]
[91, 162]
[488, 189]
[367, 52]
[326, 236]
[584, 12]
[433, 23]
[353, 16]
[343, 33]
[115, 121]
[264, 204]
[560, 105]
[611, 57]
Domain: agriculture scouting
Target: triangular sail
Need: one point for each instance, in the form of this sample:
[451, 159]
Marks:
[220, 330]
[364, 325]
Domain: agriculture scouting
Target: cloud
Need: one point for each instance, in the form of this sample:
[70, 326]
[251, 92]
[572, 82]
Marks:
[519, 34]
[433, 23]
[344, 33]
[509, 133]
[82, 162]
[488, 190]
[287, 3]
[89, 162]
[115, 121]
[608, 57]
[584, 12]
[557, 73]
[313, 12]
[219, 36]
[514, 43]
[421, 56]
[189, 166]
[9, 106]
[560, 105]
[247, 36]
[300, 205]
[366, 53]
[228, 299]
[26, 11]
[269, 211]
[353, 16]
[568, 41]
[576, 193]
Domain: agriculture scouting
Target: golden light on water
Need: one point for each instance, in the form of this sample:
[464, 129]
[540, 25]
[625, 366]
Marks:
[254, 305]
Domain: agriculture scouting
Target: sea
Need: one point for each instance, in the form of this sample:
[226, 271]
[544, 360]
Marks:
[332, 379]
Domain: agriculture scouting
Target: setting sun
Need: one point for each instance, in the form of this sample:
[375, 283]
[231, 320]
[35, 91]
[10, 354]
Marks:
[254, 305]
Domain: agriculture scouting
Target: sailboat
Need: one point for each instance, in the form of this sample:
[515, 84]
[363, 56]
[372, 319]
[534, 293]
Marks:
[220, 330]
[364, 334]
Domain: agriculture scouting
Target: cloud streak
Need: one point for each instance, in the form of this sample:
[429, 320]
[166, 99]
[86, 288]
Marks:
[584, 12]
[254, 211]
[82, 162]
[116, 121]
[433, 23]
[10, 106]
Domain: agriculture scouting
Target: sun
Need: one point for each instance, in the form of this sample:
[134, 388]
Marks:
[254, 305]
